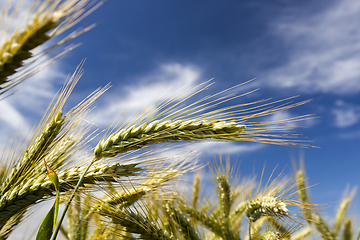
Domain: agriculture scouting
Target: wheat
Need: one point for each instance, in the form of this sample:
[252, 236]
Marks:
[136, 223]
[340, 215]
[33, 154]
[265, 206]
[185, 227]
[35, 189]
[224, 195]
[155, 132]
[322, 227]
[48, 19]
[347, 230]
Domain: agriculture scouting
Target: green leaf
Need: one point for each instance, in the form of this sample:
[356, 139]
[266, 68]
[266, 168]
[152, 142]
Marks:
[47, 226]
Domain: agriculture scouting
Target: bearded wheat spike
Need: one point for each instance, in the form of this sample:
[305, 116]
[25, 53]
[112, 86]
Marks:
[50, 18]
[36, 189]
[224, 195]
[195, 192]
[136, 223]
[35, 152]
[348, 235]
[303, 195]
[265, 206]
[186, 228]
[271, 235]
[323, 228]
[212, 224]
[155, 132]
[340, 214]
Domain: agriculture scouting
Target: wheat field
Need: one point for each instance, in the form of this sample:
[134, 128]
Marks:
[124, 182]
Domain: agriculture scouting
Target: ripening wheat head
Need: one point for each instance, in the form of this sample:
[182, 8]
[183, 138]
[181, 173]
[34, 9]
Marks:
[25, 25]
[177, 120]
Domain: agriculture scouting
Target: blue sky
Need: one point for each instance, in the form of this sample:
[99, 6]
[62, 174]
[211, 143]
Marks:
[306, 48]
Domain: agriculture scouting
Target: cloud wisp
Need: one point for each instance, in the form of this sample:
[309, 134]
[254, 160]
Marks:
[145, 92]
[324, 50]
[346, 115]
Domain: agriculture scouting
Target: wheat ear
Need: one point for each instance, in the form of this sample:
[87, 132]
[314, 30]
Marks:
[322, 227]
[210, 223]
[340, 214]
[50, 18]
[347, 235]
[155, 132]
[265, 206]
[33, 154]
[138, 224]
[35, 189]
[186, 228]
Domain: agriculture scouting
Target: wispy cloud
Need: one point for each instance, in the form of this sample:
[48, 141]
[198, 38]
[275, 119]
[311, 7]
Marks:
[145, 91]
[346, 114]
[324, 50]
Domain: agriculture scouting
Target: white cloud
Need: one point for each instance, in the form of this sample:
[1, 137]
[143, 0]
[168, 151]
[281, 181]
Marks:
[169, 80]
[226, 147]
[325, 50]
[345, 114]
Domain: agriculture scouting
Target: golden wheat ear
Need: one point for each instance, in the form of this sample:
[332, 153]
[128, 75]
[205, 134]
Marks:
[25, 26]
